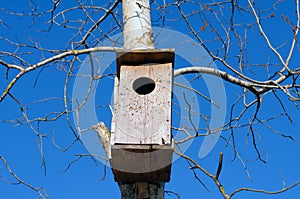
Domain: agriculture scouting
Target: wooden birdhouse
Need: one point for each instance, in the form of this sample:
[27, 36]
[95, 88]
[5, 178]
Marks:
[141, 142]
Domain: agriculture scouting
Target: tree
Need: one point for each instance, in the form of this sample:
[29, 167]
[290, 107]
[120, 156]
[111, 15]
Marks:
[251, 46]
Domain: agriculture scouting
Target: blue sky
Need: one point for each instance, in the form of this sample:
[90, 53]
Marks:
[83, 179]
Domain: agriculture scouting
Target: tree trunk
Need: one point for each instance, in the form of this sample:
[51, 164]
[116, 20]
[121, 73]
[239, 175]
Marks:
[137, 25]
[138, 35]
[142, 190]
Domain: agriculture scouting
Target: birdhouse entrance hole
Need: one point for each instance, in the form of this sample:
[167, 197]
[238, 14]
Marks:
[143, 85]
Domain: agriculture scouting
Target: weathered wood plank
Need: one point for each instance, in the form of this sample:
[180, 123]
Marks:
[144, 118]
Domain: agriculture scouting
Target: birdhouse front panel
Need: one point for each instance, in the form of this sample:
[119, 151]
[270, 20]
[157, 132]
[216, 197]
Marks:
[143, 105]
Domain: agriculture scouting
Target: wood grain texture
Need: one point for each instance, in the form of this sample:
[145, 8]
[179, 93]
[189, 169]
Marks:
[144, 119]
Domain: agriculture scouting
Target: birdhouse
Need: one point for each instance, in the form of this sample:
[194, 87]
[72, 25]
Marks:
[141, 142]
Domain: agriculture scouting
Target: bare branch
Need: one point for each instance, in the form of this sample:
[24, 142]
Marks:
[52, 59]
[40, 190]
[264, 191]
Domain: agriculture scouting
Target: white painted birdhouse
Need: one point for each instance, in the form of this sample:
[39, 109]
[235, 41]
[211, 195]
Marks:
[141, 141]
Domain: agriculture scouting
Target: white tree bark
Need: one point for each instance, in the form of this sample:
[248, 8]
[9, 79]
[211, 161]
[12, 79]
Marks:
[137, 25]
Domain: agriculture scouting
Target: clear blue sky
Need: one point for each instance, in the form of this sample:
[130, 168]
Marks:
[19, 144]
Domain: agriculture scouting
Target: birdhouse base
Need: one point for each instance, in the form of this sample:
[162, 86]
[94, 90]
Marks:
[141, 163]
